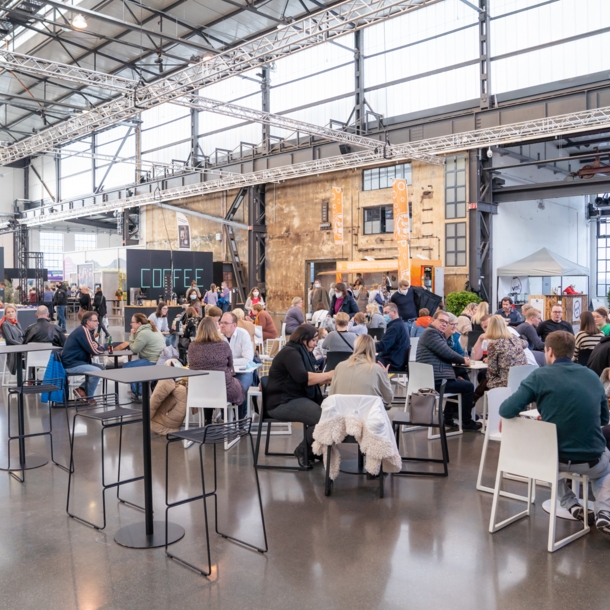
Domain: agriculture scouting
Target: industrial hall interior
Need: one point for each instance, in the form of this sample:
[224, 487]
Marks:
[304, 304]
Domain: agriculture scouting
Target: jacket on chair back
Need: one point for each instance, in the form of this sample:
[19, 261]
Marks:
[433, 349]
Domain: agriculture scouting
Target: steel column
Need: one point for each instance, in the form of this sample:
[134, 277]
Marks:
[256, 237]
[484, 55]
[266, 105]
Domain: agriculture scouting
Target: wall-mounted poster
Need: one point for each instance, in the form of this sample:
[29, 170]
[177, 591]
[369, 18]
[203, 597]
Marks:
[85, 275]
[184, 232]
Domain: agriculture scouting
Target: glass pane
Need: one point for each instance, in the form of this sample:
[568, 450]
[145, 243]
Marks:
[450, 211]
[461, 229]
[389, 225]
[461, 244]
[383, 178]
[450, 179]
[374, 179]
[461, 260]
[450, 260]
[408, 176]
[366, 180]
[450, 196]
[450, 230]
[450, 244]
[451, 164]
[461, 162]
[601, 266]
[400, 171]
[368, 229]
[461, 178]
[461, 210]
[601, 292]
[461, 193]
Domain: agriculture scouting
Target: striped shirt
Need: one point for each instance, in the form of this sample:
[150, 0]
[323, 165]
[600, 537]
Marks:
[584, 341]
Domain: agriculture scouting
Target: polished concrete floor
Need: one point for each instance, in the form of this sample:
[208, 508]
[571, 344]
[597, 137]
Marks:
[425, 545]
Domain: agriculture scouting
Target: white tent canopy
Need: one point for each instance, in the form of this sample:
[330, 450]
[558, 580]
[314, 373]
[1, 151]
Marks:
[543, 263]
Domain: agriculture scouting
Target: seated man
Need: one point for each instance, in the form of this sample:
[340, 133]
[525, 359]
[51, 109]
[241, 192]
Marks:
[242, 350]
[555, 323]
[78, 349]
[508, 313]
[393, 349]
[43, 330]
[573, 398]
[433, 349]
[528, 328]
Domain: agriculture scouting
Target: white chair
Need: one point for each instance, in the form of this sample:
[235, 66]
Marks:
[285, 427]
[493, 399]
[258, 336]
[516, 374]
[12, 379]
[36, 361]
[209, 392]
[529, 449]
[283, 335]
[413, 352]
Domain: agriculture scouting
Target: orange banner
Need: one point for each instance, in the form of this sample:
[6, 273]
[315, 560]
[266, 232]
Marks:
[402, 228]
[337, 210]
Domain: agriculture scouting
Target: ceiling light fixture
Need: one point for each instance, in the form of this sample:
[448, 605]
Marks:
[79, 22]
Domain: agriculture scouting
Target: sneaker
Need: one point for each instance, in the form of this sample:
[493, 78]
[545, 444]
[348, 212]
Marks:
[578, 512]
[79, 393]
[451, 425]
[602, 523]
[472, 426]
[134, 397]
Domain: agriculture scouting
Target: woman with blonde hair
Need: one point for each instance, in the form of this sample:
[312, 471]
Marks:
[503, 351]
[376, 320]
[13, 335]
[210, 352]
[482, 310]
[360, 374]
[464, 323]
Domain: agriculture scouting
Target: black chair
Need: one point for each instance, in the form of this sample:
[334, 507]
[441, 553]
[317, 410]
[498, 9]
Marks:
[28, 388]
[583, 356]
[334, 358]
[403, 419]
[328, 481]
[377, 333]
[265, 418]
[473, 337]
[213, 434]
[107, 410]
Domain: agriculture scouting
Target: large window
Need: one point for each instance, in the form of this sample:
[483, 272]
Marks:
[603, 259]
[52, 246]
[455, 187]
[85, 241]
[382, 177]
[455, 244]
[378, 220]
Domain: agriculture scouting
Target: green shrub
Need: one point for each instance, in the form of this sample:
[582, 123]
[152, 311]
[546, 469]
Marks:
[455, 302]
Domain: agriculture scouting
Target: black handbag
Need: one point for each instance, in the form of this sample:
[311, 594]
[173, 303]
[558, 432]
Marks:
[422, 407]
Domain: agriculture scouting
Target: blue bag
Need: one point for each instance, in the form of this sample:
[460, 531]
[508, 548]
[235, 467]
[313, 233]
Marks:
[55, 370]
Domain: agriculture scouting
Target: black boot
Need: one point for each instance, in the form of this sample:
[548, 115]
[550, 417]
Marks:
[301, 454]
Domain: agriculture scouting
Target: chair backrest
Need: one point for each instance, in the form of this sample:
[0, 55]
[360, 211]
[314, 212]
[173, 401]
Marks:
[420, 376]
[583, 356]
[495, 398]
[334, 358]
[283, 333]
[209, 391]
[473, 337]
[376, 333]
[529, 449]
[516, 374]
[215, 434]
[38, 359]
[413, 352]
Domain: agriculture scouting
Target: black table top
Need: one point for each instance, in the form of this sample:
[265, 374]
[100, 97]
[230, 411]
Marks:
[145, 373]
[120, 352]
[26, 347]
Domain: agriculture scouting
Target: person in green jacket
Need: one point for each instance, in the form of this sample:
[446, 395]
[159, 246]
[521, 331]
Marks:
[572, 397]
[146, 341]
[601, 320]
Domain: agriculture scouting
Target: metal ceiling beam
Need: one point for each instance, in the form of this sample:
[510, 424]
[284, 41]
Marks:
[223, 221]
[310, 31]
[100, 224]
[552, 190]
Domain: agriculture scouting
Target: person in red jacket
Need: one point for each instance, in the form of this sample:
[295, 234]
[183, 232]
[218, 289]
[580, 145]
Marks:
[424, 320]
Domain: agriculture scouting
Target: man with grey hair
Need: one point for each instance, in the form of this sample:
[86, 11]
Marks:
[43, 330]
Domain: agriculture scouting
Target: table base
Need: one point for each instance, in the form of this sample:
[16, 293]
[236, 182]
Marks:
[134, 536]
[31, 462]
[562, 513]
[351, 467]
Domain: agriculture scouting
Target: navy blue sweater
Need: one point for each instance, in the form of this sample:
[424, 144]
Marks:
[394, 346]
[80, 346]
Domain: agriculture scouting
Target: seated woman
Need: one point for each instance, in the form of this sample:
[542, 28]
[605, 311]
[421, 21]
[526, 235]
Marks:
[210, 352]
[587, 337]
[159, 318]
[340, 340]
[376, 320]
[293, 389]
[357, 325]
[453, 336]
[601, 320]
[294, 315]
[244, 322]
[265, 320]
[145, 341]
[13, 335]
[360, 374]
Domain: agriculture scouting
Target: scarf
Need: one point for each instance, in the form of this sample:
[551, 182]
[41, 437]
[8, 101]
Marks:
[5, 319]
[312, 392]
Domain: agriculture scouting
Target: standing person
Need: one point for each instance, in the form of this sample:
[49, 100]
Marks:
[404, 299]
[331, 292]
[319, 296]
[243, 353]
[84, 301]
[47, 300]
[253, 298]
[361, 296]
[99, 305]
[161, 321]
[266, 321]
[294, 315]
[573, 398]
[76, 355]
[587, 338]
[293, 390]
[393, 349]
[224, 298]
[145, 341]
[193, 297]
[60, 301]
[509, 313]
[386, 281]
[555, 323]
[601, 319]
[210, 352]
[342, 301]
[13, 335]
[43, 331]
[211, 296]
[433, 349]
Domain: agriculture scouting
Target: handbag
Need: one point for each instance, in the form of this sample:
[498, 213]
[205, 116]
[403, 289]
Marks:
[81, 312]
[422, 407]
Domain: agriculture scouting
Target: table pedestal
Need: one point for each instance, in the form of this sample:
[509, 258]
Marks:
[134, 536]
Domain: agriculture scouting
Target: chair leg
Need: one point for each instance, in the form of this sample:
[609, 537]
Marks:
[65, 468]
[552, 545]
[479, 484]
[327, 480]
[119, 482]
[493, 526]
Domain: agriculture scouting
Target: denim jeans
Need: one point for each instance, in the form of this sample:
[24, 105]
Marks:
[90, 383]
[599, 477]
[246, 380]
[61, 316]
[409, 326]
[136, 388]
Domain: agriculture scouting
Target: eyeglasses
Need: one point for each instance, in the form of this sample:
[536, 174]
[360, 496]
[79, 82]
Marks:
[441, 321]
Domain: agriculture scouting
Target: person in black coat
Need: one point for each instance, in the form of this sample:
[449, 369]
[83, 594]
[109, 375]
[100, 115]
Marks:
[600, 356]
[99, 305]
[60, 300]
[43, 330]
[393, 349]
[346, 301]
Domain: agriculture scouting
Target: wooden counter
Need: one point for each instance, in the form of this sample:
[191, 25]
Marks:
[571, 304]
